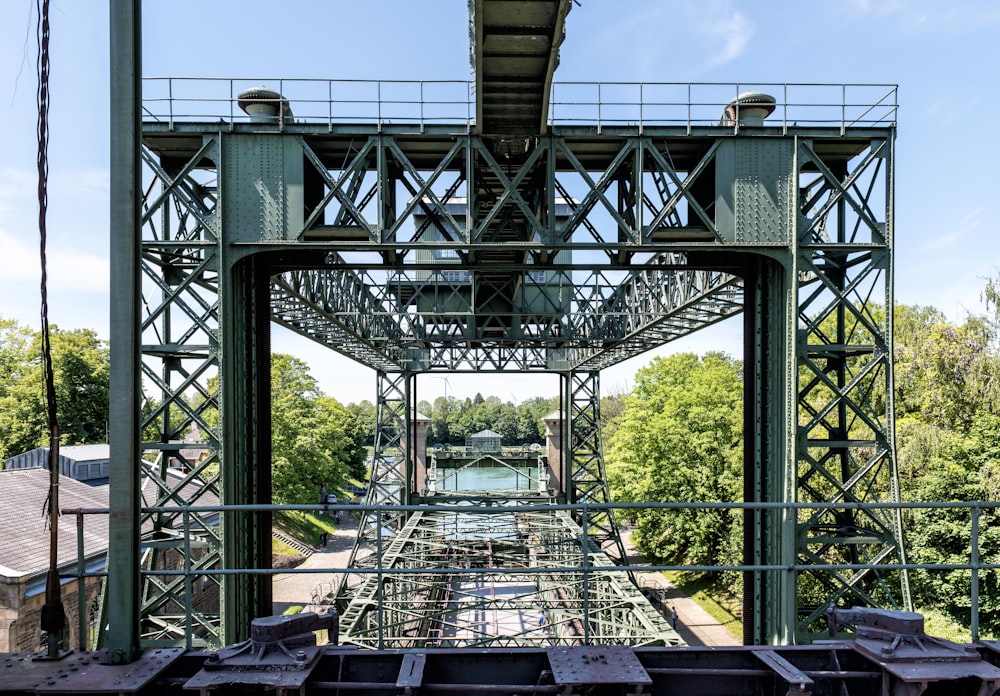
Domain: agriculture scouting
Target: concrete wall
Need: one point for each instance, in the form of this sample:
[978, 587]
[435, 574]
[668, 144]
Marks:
[555, 453]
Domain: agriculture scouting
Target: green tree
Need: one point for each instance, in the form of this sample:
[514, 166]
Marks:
[679, 439]
[961, 468]
[315, 440]
[80, 364]
[945, 373]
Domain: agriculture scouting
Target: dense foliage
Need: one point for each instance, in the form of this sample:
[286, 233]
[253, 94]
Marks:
[80, 364]
[315, 440]
[453, 420]
[679, 439]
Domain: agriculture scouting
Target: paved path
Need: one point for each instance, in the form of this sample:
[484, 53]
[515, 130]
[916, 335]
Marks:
[694, 624]
[299, 589]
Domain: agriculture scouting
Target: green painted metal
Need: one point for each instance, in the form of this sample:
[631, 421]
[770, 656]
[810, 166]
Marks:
[453, 578]
[588, 478]
[388, 483]
[588, 246]
[120, 610]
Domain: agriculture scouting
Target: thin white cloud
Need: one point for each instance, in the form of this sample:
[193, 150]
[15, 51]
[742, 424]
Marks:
[16, 184]
[655, 38]
[728, 29]
[955, 238]
[957, 16]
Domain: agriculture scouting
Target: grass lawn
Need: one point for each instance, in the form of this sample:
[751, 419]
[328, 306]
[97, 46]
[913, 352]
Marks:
[302, 526]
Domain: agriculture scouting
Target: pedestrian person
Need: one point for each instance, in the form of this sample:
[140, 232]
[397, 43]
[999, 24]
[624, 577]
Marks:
[673, 617]
[542, 618]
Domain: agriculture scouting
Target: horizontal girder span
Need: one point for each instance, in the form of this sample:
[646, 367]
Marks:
[487, 578]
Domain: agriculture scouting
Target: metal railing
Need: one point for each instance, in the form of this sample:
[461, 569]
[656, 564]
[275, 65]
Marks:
[974, 563]
[423, 103]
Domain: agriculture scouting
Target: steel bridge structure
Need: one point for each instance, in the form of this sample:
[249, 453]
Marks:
[532, 227]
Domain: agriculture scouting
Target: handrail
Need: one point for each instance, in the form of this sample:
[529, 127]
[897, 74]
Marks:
[424, 103]
[975, 565]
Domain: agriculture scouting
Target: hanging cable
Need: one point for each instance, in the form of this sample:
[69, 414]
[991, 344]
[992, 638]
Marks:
[53, 616]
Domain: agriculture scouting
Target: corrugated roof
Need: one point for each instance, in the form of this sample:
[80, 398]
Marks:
[24, 540]
[84, 453]
[75, 453]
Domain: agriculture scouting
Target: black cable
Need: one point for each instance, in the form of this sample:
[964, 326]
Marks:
[53, 619]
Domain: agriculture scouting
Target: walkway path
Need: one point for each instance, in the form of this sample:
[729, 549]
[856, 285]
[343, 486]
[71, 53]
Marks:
[694, 624]
[299, 589]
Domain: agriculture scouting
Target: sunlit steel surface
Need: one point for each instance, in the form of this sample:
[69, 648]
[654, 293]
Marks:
[489, 578]
[674, 221]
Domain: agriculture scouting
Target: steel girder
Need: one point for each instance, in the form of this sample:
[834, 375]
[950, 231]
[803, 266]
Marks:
[388, 481]
[180, 336]
[515, 51]
[607, 292]
[476, 579]
[844, 435]
[588, 478]
[647, 210]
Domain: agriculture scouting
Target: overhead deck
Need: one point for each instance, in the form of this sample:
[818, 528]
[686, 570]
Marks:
[515, 52]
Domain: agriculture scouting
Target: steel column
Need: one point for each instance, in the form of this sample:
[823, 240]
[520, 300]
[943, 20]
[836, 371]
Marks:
[585, 455]
[122, 605]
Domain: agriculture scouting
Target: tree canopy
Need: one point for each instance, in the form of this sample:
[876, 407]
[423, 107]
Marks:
[679, 439]
[81, 365]
[315, 440]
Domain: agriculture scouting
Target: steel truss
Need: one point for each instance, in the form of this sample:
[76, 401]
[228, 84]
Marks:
[458, 578]
[845, 435]
[387, 483]
[358, 239]
[589, 480]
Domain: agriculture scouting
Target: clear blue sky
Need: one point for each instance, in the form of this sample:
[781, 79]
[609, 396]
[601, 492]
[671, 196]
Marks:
[944, 56]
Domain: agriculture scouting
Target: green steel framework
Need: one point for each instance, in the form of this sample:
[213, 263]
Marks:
[225, 240]
[222, 226]
[441, 580]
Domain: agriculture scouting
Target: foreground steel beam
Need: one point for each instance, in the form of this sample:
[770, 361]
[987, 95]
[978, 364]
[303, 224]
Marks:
[890, 655]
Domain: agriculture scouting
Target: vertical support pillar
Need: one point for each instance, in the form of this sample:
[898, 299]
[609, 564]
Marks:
[769, 461]
[388, 483]
[122, 605]
[589, 479]
[844, 440]
[245, 465]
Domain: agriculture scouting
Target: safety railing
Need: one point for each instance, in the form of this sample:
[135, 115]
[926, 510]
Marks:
[424, 103]
[970, 513]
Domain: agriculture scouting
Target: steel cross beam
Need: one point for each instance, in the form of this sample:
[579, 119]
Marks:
[435, 248]
[480, 579]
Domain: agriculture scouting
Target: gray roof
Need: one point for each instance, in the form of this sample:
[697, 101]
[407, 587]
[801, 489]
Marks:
[486, 433]
[24, 539]
[85, 453]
